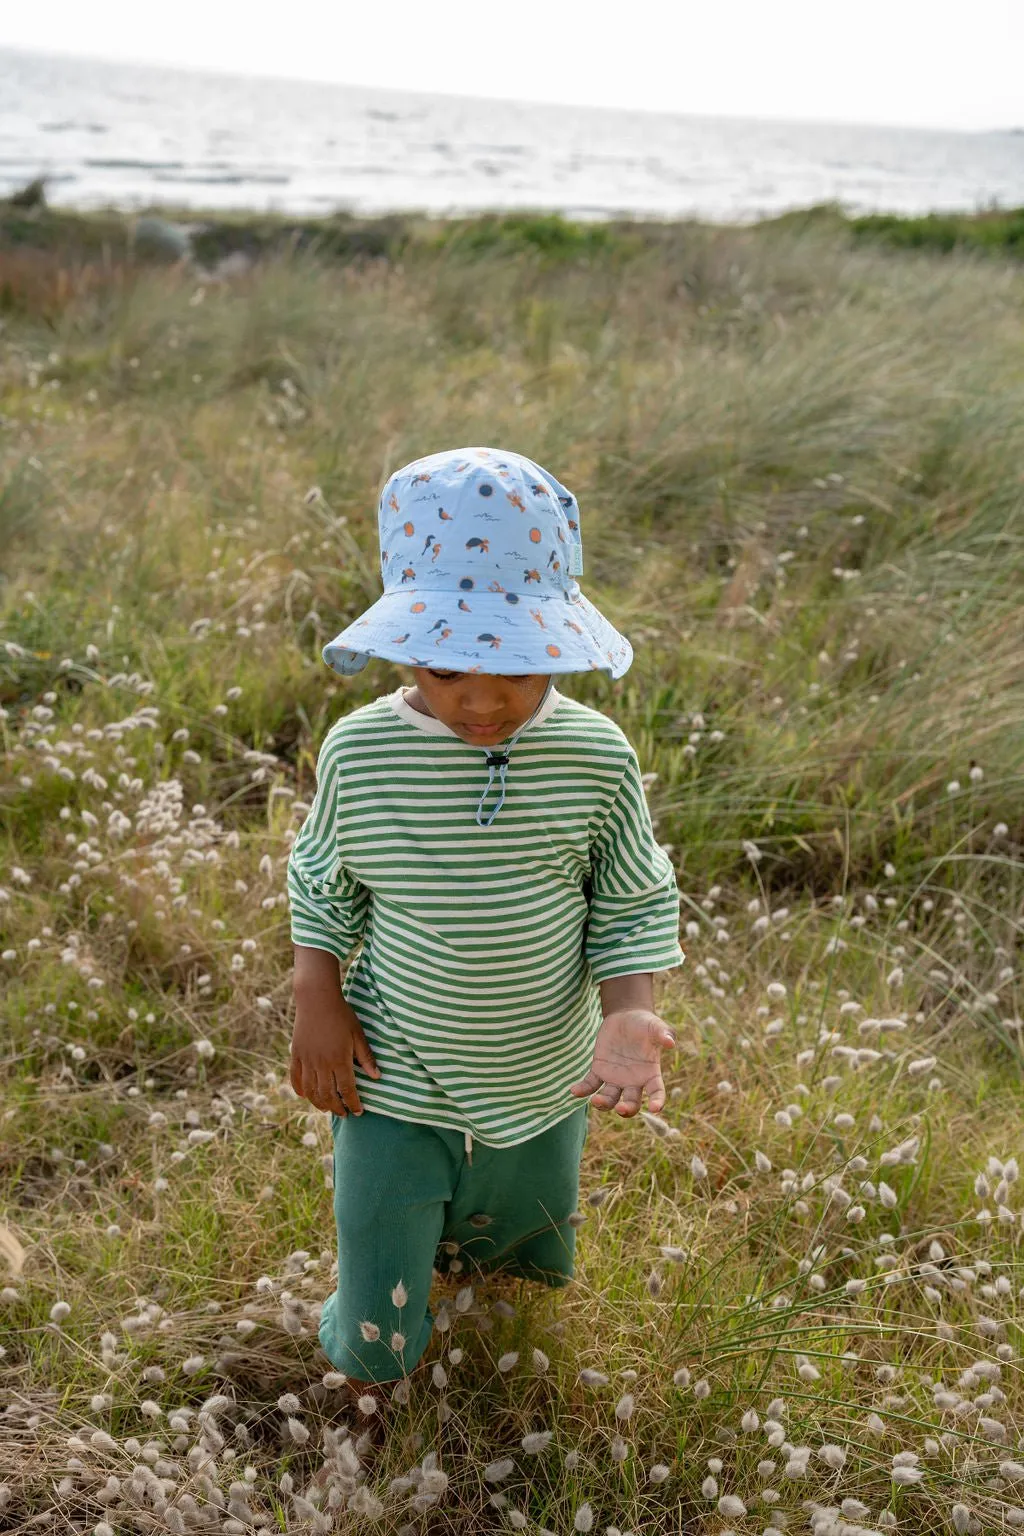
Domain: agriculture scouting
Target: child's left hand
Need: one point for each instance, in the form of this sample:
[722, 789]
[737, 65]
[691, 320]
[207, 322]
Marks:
[627, 1062]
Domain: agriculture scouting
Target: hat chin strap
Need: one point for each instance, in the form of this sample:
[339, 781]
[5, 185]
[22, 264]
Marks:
[497, 759]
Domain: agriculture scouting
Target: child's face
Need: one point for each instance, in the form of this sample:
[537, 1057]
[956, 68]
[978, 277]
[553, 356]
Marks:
[479, 707]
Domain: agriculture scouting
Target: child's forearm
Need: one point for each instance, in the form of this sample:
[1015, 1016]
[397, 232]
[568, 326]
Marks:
[317, 977]
[635, 991]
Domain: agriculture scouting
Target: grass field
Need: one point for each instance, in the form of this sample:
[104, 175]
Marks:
[800, 463]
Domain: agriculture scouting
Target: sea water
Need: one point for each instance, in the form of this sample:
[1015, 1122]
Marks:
[133, 136]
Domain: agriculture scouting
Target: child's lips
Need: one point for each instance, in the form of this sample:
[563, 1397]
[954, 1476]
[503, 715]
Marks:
[481, 730]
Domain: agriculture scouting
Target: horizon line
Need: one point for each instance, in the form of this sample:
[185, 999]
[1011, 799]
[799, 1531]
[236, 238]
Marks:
[221, 72]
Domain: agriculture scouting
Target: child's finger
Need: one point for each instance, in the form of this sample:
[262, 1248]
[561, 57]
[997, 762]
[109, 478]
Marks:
[304, 1081]
[347, 1091]
[364, 1055]
[586, 1085]
[656, 1094]
[321, 1088]
[608, 1097]
[660, 1033]
[630, 1101]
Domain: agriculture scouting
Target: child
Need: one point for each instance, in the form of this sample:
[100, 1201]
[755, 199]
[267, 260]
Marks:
[487, 840]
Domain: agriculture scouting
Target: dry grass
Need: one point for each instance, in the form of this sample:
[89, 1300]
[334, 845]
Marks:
[799, 471]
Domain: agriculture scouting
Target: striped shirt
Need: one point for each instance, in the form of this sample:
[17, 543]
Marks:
[481, 947]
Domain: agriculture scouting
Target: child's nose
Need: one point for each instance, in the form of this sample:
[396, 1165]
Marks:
[478, 704]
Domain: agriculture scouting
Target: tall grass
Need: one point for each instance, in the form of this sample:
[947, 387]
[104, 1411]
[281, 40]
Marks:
[797, 1305]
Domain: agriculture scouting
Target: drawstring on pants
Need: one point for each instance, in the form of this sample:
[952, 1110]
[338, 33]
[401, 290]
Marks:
[468, 1142]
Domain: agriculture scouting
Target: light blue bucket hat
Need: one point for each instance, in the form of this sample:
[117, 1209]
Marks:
[479, 551]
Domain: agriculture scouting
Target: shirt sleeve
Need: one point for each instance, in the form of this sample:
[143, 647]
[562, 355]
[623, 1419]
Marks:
[328, 904]
[634, 900]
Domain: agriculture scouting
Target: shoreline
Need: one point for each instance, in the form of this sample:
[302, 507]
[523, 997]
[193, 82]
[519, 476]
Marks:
[168, 232]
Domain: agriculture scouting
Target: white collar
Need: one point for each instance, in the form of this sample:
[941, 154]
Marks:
[434, 727]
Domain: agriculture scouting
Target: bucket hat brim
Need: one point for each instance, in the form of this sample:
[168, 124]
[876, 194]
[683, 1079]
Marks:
[494, 632]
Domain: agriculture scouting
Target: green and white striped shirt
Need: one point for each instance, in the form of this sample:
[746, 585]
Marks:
[481, 947]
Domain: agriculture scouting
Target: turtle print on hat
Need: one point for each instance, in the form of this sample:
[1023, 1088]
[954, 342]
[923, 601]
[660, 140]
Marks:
[493, 589]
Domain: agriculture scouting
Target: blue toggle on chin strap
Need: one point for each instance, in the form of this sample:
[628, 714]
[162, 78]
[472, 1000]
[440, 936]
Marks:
[497, 760]
[498, 757]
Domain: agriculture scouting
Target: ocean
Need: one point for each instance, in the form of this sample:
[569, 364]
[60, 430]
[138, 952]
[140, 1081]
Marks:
[133, 136]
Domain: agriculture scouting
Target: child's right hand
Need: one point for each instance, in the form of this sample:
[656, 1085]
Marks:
[326, 1042]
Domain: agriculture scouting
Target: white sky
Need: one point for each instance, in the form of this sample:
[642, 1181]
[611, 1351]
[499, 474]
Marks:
[933, 63]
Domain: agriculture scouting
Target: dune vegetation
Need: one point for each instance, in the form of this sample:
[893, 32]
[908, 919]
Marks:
[798, 456]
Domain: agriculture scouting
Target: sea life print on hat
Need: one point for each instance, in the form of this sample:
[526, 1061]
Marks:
[479, 551]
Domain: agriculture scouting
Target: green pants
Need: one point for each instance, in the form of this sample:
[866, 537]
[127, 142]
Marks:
[409, 1199]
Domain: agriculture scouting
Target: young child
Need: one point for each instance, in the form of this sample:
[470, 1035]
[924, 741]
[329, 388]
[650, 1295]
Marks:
[487, 840]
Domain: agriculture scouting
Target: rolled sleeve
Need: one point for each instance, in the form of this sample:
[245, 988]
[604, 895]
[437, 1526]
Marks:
[328, 904]
[634, 901]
